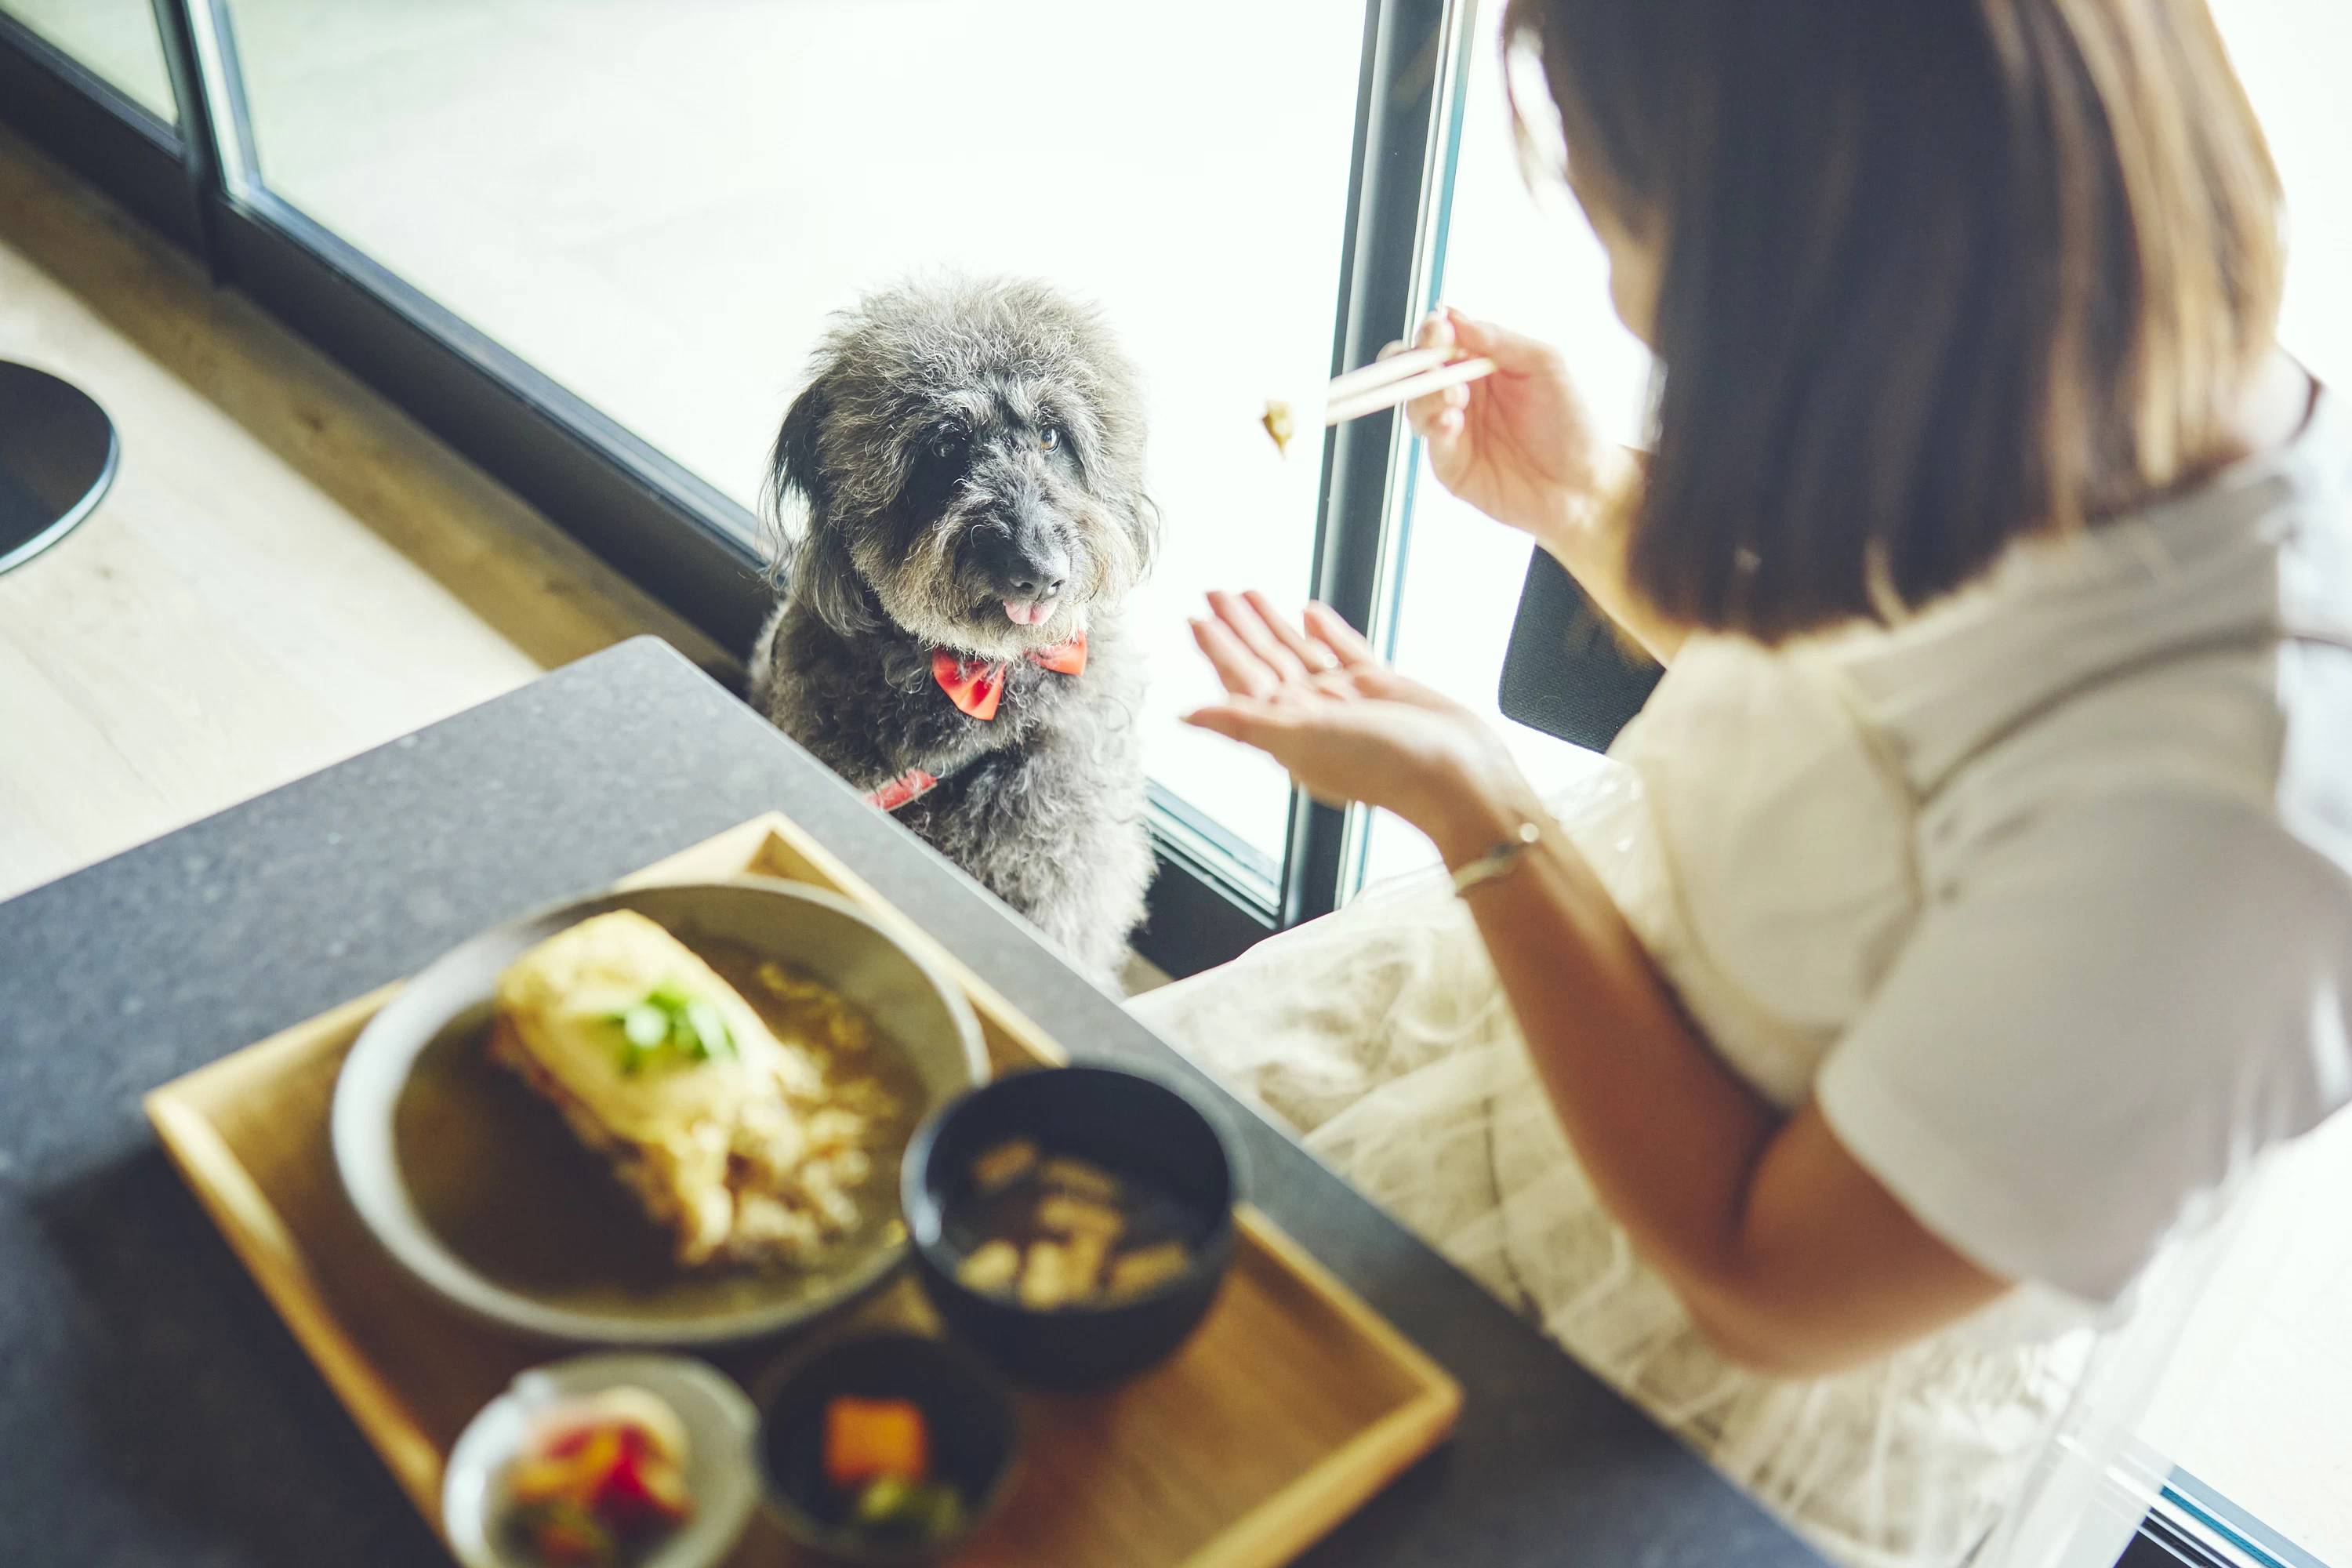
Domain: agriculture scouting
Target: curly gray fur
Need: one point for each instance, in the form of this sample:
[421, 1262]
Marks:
[963, 451]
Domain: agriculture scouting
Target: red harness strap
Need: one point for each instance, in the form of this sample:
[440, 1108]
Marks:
[909, 785]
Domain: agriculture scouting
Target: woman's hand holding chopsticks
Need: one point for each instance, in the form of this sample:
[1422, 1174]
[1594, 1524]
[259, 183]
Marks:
[1520, 446]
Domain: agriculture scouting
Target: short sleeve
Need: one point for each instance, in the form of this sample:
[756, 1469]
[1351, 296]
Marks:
[2098, 1018]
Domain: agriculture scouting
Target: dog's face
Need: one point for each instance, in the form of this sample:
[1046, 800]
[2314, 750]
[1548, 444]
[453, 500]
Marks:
[968, 461]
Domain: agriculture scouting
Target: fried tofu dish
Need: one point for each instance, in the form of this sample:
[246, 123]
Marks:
[732, 1134]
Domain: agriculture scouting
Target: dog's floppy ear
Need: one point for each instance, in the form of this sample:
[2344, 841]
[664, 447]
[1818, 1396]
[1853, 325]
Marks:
[1143, 527]
[810, 558]
[791, 498]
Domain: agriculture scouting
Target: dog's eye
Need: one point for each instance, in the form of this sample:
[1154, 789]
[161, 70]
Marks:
[1050, 437]
[939, 465]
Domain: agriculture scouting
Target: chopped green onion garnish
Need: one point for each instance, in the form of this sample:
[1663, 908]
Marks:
[709, 1027]
[672, 1019]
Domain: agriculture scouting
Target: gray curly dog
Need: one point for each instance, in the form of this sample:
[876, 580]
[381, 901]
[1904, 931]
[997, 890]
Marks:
[959, 508]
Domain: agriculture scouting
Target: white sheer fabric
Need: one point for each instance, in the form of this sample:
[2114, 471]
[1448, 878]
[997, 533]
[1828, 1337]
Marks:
[1381, 1035]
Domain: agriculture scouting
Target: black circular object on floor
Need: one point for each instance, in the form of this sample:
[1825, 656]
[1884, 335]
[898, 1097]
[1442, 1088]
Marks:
[57, 454]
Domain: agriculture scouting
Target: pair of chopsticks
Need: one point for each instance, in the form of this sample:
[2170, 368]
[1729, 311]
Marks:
[1397, 379]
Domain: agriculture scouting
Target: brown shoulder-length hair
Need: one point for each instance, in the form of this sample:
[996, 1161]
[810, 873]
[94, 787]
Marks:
[1937, 273]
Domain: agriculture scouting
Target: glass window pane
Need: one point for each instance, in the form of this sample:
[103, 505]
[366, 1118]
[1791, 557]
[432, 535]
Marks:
[657, 202]
[115, 38]
[2258, 1401]
[1524, 258]
[2293, 55]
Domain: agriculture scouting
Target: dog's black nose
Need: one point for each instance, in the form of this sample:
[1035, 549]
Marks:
[1033, 569]
[1040, 581]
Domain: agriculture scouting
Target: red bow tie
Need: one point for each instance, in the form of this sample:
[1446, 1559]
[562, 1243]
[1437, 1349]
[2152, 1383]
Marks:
[976, 686]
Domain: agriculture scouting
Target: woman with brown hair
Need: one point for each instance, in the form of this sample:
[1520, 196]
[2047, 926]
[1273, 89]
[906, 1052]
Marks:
[1972, 903]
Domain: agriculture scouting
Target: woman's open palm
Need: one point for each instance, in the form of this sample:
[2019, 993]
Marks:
[1347, 726]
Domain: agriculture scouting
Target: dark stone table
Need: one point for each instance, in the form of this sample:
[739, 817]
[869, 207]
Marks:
[153, 1410]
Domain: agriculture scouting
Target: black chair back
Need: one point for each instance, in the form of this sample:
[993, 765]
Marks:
[1566, 672]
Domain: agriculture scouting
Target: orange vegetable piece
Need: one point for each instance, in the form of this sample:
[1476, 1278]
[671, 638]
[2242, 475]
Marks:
[867, 1440]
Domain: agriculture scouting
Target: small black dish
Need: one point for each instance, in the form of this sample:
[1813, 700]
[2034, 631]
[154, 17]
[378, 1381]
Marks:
[1130, 1126]
[974, 1439]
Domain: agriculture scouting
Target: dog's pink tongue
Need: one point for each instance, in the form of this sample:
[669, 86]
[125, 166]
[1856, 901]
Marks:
[1025, 615]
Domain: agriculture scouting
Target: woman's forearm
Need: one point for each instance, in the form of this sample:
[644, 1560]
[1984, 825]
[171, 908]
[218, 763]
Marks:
[1669, 1139]
[1788, 1253]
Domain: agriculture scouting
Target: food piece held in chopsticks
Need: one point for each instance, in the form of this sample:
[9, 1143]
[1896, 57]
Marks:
[730, 1138]
[1383, 383]
[1280, 424]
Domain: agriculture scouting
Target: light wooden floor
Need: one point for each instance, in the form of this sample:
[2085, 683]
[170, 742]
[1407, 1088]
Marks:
[286, 571]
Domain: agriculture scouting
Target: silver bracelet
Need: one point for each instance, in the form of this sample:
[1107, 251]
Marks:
[1497, 861]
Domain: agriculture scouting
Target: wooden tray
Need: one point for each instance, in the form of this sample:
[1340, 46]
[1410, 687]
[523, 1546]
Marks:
[1293, 1403]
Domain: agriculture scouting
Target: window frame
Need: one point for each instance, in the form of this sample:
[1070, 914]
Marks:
[2190, 1523]
[1416, 55]
[100, 131]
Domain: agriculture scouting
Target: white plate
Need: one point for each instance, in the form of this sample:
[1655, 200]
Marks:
[721, 1472]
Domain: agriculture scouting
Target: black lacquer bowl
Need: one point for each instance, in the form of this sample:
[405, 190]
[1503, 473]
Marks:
[1129, 1125]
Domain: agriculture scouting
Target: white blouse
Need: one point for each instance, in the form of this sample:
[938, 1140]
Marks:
[2045, 894]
